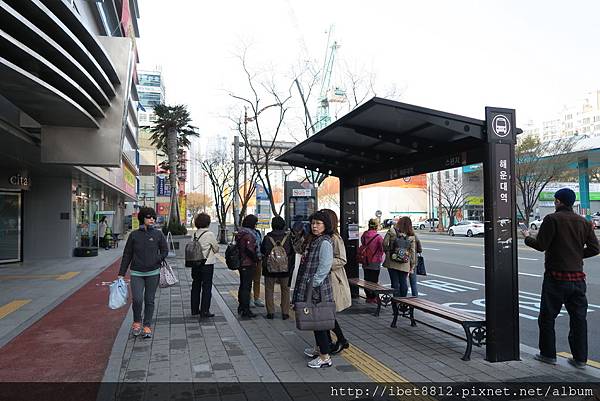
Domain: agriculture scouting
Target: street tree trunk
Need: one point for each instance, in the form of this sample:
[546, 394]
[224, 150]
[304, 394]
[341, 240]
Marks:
[172, 155]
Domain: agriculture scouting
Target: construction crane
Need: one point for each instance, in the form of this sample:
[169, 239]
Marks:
[323, 117]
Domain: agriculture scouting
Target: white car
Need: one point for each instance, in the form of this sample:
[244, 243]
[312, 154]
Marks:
[423, 224]
[467, 227]
[535, 224]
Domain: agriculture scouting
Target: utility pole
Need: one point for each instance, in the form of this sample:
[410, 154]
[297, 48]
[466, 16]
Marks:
[236, 185]
[440, 221]
[245, 147]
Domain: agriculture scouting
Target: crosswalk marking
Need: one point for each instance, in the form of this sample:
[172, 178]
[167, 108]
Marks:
[10, 307]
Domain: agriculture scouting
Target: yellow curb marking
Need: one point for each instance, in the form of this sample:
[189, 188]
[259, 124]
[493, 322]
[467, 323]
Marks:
[12, 306]
[589, 362]
[67, 276]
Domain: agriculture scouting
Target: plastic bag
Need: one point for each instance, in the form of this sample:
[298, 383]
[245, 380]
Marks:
[117, 296]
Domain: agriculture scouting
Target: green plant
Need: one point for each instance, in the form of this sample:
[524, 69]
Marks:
[175, 227]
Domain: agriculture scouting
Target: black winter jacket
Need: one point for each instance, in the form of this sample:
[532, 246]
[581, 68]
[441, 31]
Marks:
[267, 246]
[566, 238]
[144, 250]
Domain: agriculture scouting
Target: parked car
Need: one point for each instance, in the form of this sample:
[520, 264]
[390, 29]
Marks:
[467, 227]
[423, 224]
[535, 224]
[387, 223]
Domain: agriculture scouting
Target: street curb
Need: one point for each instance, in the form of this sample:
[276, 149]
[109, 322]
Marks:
[43, 311]
[113, 367]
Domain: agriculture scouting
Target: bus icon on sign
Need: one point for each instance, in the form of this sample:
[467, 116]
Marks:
[501, 126]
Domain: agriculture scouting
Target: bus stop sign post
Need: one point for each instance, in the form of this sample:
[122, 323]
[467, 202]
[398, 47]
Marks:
[501, 270]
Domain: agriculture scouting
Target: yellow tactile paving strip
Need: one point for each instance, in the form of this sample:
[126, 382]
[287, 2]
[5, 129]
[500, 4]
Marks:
[589, 362]
[60, 277]
[10, 307]
[361, 360]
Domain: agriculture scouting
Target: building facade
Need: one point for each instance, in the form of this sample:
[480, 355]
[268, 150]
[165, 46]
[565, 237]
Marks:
[581, 117]
[68, 124]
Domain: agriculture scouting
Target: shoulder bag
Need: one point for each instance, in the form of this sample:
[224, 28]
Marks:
[314, 316]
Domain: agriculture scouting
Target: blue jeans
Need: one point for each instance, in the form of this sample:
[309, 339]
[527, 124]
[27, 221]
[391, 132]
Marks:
[143, 290]
[399, 281]
[555, 293]
[412, 278]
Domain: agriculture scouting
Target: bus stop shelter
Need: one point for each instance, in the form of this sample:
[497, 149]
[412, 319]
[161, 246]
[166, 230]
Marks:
[384, 140]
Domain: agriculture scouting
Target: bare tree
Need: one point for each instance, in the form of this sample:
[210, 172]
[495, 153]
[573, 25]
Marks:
[538, 163]
[220, 173]
[262, 122]
[453, 196]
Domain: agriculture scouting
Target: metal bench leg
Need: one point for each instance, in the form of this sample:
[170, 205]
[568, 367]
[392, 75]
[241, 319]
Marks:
[378, 305]
[469, 336]
[396, 312]
[411, 313]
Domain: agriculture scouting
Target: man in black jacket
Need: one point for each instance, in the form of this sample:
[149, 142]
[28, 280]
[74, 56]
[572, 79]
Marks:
[566, 238]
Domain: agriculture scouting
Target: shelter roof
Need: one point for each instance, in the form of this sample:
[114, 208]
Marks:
[383, 134]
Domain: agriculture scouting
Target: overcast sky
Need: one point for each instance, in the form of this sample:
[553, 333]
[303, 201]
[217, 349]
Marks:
[457, 56]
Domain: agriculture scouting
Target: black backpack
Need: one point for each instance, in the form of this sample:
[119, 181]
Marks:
[232, 256]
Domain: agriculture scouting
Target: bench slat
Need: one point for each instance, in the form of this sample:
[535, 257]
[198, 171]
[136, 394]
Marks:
[369, 285]
[437, 309]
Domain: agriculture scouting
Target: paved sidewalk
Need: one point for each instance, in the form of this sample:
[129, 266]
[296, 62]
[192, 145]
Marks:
[210, 353]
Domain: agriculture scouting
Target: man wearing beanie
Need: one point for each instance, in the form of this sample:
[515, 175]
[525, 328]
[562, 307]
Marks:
[566, 238]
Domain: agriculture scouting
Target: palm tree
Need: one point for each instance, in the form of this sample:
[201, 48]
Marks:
[170, 134]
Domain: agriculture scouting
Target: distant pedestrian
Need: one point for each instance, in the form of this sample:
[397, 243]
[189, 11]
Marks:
[102, 229]
[202, 274]
[246, 241]
[566, 238]
[258, 271]
[412, 277]
[278, 262]
[373, 243]
[144, 252]
[339, 282]
[314, 270]
[399, 245]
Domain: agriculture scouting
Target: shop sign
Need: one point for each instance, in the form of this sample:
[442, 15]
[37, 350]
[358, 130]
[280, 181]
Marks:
[19, 180]
[129, 179]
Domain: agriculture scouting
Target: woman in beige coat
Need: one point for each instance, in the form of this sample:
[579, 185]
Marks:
[339, 282]
[399, 245]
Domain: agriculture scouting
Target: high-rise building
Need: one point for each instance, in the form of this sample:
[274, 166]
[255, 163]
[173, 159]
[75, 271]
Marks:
[581, 117]
[151, 91]
[68, 123]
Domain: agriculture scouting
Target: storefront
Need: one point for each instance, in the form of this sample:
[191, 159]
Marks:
[11, 214]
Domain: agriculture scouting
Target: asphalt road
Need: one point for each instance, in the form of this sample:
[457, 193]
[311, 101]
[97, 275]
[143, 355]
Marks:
[455, 267]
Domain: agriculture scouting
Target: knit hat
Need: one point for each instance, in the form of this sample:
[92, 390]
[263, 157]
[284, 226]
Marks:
[566, 196]
[373, 223]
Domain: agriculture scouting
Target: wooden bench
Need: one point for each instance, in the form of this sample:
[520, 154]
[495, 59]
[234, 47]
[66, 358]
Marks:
[382, 294]
[473, 326]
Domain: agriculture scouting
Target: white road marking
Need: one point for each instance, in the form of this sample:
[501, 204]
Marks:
[520, 258]
[431, 249]
[522, 274]
[530, 274]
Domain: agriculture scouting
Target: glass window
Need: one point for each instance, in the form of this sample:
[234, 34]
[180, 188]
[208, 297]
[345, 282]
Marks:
[149, 99]
[149, 80]
[10, 227]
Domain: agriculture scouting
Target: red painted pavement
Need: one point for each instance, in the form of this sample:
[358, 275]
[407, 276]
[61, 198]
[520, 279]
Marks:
[72, 343]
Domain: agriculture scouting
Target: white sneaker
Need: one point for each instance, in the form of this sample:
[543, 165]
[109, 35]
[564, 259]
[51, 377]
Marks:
[319, 363]
[311, 352]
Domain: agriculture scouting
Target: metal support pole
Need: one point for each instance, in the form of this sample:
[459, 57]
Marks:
[349, 226]
[501, 269]
[439, 211]
[236, 185]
